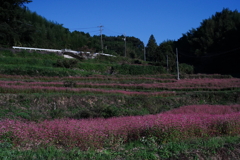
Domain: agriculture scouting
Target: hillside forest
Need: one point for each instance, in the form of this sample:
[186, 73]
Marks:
[213, 47]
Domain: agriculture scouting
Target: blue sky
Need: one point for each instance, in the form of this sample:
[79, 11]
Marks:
[165, 19]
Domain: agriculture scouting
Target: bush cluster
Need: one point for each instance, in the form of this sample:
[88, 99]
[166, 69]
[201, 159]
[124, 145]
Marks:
[66, 63]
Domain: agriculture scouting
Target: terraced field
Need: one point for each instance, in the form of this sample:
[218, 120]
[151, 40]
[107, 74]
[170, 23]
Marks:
[119, 116]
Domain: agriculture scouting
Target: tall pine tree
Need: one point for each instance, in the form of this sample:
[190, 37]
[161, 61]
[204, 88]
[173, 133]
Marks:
[151, 49]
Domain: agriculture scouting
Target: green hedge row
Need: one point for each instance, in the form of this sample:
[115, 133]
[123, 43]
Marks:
[138, 69]
[27, 61]
[39, 71]
[124, 69]
[26, 54]
[94, 67]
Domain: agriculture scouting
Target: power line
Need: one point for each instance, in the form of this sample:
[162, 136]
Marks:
[109, 31]
[177, 64]
[211, 54]
[125, 44]
[101, 36]
[83, 28]
[92, 31]
[222, 53]
[187, 55]
[113, 31]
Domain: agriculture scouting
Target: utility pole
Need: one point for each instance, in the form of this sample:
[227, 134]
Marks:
[167, 63]
[125, 45]
[101, 37]
[177, 65]
[144, 53]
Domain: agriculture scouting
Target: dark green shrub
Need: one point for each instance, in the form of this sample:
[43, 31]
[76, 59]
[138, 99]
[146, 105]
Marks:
[24, 115]
[82, 114]
[110, 111]
[57, 113]
[66, 63]
[137, 61]
[138, 69]
[93, 67]
[185, 68]
[69, 84]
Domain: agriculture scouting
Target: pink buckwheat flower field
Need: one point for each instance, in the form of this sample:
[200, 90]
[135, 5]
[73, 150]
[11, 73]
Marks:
[184, 122]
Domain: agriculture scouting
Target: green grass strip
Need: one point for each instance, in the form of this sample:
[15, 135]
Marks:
[148, 149]
[39, 71]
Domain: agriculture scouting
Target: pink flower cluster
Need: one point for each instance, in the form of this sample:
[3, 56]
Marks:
[185, 84]
[182, 123]
[93, 78]
[206, 109]
[15, 87]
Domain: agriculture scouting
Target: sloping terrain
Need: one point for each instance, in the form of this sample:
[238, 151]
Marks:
[152, 116]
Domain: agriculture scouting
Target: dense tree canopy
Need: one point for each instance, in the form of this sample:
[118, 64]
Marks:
[165, 54]
[13, 27]
[216, 34]
[214, 46]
